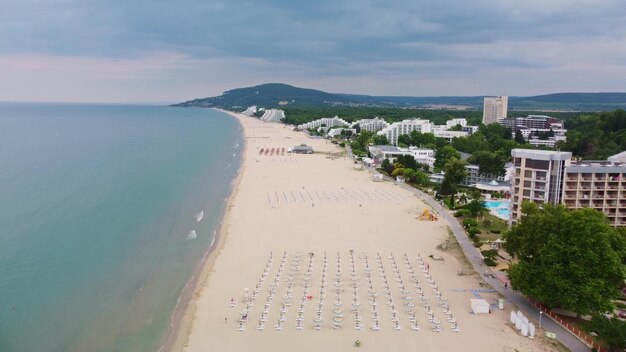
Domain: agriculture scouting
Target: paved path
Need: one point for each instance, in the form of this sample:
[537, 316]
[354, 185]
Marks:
[520, 301]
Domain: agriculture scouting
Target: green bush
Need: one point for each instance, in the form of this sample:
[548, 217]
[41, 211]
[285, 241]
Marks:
[342, 144]
[496, 231]
[460, 213]
[486, 223]
[468, 223]
[473, 230]
[490, 257]
[477, 243]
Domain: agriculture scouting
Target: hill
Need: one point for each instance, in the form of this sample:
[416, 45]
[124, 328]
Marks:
[266, 95]
[276, 95]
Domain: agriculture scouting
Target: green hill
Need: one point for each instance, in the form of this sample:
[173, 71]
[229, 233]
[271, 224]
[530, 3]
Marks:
[276, 95]
[266, 95]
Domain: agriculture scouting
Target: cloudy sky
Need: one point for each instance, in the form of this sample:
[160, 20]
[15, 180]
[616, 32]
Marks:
[167, 51]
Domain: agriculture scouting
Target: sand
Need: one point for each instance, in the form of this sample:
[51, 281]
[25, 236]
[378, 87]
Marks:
[285, 207]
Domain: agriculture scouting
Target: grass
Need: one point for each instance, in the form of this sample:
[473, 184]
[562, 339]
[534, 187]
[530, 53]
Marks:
[495, 223]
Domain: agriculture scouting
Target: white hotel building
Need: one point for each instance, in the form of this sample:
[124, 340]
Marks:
[273, 115]
[326, 121]
[371, 125]
[396, 129]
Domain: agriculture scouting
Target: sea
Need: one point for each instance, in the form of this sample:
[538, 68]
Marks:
[106, 213]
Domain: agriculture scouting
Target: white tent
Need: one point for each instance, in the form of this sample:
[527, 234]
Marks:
[479, 306]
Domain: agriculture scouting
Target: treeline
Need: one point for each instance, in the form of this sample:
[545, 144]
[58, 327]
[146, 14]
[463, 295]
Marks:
[597, 135]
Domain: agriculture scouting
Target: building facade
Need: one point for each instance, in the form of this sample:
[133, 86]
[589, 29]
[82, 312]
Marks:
[421, 155]
[396, 129]
[495, 108]
[599, 185]
[538, 177]
[325, 121]
[273, 115]
[371, 125]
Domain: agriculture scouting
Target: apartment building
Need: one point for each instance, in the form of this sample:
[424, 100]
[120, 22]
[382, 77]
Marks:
[273, 115]
[495, 108]
[396, 129]
[371, 125]
[599, 185]
[537, 177]
[324, 122]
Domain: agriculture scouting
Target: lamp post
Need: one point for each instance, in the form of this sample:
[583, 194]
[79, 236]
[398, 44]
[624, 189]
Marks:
[540, 315]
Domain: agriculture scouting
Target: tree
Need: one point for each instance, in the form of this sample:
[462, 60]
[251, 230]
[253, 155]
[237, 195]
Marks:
[519, 137]
[407, 161]
[387, 166]
[476, 207]
[611, 331]
[409, 175]
[444, 155]
[404, 139]
[398, 171]
[571, 259]
[455, 172]
[380, 140]
[457, 127]
[489, 163]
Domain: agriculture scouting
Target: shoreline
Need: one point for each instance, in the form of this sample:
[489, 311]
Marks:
[181, 321]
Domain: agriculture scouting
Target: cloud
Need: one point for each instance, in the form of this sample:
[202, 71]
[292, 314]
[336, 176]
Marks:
[373, 46]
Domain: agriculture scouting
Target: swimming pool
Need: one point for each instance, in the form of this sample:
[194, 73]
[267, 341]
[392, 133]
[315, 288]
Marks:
[499, 208]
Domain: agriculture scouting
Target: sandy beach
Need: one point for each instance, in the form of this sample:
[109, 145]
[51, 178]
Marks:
[317, 255]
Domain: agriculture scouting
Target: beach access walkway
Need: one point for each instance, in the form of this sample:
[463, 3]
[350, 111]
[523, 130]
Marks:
[485, 272]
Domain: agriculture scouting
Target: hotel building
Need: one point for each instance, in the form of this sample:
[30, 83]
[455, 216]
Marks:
[551, 177]
[495, 108]
[324, 122]
[600, 185]
[371, 125]
[396, 129]
[273, 115]
[537, 177]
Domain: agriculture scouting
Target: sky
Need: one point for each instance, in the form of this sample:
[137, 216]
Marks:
[169, 51]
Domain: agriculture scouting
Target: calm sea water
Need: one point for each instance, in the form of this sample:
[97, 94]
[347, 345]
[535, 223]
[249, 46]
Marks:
[97, 203]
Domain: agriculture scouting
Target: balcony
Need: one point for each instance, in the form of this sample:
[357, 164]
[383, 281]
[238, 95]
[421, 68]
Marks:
[600, 187]
[572, 178]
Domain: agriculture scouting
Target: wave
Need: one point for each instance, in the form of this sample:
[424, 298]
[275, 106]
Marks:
[199, 216]
[191, 235]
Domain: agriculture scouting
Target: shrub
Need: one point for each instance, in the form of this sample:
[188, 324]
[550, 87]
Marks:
[486, 223]
[496, 231]
[467, 223]
[460, 213]
[342, 144]
[490, 257]
[477, 243]
[473, 230]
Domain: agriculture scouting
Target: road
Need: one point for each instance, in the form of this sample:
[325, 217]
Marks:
[520, 301]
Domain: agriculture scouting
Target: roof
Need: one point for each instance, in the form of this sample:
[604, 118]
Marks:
[493, 186]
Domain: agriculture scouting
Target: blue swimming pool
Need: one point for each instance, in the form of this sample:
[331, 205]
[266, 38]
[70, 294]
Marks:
[499, 208]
